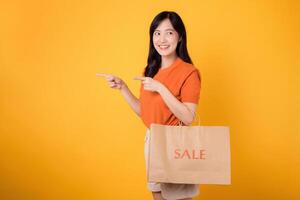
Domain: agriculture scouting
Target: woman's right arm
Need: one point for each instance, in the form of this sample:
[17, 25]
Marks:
[131, 100]
[117, 83]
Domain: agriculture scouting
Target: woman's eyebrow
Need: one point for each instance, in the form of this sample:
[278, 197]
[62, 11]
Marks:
[168, 29]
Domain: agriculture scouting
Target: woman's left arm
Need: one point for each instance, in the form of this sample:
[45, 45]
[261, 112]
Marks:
[185, 112]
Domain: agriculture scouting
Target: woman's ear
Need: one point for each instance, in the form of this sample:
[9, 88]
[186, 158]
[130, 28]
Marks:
[180, 39]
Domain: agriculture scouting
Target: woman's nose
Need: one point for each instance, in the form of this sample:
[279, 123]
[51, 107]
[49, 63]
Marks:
[162, 38]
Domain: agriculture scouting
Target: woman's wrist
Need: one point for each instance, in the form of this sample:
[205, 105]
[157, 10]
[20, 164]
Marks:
[123, 87]
[160, 88]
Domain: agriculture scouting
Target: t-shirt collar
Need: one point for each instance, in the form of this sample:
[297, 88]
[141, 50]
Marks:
[175, 63]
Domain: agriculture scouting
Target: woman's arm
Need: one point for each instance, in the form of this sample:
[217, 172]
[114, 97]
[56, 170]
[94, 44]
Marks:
[131, 100]
[117, 83]
[185, 112]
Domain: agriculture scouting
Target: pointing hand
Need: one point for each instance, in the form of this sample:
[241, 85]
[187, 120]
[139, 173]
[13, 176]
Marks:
[113, 81]
[149, 83]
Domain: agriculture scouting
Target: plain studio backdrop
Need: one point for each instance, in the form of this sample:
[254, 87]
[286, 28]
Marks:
[64, 134]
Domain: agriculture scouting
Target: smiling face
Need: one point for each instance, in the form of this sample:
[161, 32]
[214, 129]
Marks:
[165, 38]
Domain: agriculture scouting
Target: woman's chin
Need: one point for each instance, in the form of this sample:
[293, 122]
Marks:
[165, 53]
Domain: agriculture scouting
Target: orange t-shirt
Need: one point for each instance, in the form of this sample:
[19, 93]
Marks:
[183, 80]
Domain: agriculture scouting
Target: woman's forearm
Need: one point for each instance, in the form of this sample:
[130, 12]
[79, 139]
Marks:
[179, 109]
[133, 102]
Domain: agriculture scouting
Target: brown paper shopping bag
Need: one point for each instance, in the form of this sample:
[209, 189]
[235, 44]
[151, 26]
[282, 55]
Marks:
[189, 154]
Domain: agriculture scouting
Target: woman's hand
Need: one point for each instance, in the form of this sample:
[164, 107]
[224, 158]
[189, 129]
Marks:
[113, 81]
[150, 84]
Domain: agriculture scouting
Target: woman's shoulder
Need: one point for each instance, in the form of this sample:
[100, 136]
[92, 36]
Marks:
[187, 68]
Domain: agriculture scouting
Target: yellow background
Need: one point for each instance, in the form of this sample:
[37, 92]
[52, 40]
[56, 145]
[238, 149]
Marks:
[66, 135]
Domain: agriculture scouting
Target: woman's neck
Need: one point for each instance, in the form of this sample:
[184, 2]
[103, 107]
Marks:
[166, 61]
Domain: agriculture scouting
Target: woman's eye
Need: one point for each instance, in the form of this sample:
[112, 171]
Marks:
[170, 33]
[156, 33]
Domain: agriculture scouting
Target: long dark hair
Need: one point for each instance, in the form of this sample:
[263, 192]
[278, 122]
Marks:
[154, 58]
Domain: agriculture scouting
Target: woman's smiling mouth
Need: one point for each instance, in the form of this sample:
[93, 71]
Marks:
[163, 47]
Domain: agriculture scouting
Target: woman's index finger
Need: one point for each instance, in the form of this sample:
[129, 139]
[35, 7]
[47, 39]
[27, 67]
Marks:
[103, 75]
[141, 78]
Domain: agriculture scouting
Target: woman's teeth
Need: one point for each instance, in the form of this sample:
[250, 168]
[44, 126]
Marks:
[163, 46]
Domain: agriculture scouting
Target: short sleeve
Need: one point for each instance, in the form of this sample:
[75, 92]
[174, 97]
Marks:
[141, 90]
[190, 90]
[141, 86]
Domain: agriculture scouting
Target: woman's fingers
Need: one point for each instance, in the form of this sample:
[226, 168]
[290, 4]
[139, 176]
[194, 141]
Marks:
[111, 84]
[113, 81]
[117, 80]
[141, 78]
[108, 77]
[103, 75]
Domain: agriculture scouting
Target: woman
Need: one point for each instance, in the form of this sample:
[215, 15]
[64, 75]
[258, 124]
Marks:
[169, 91]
